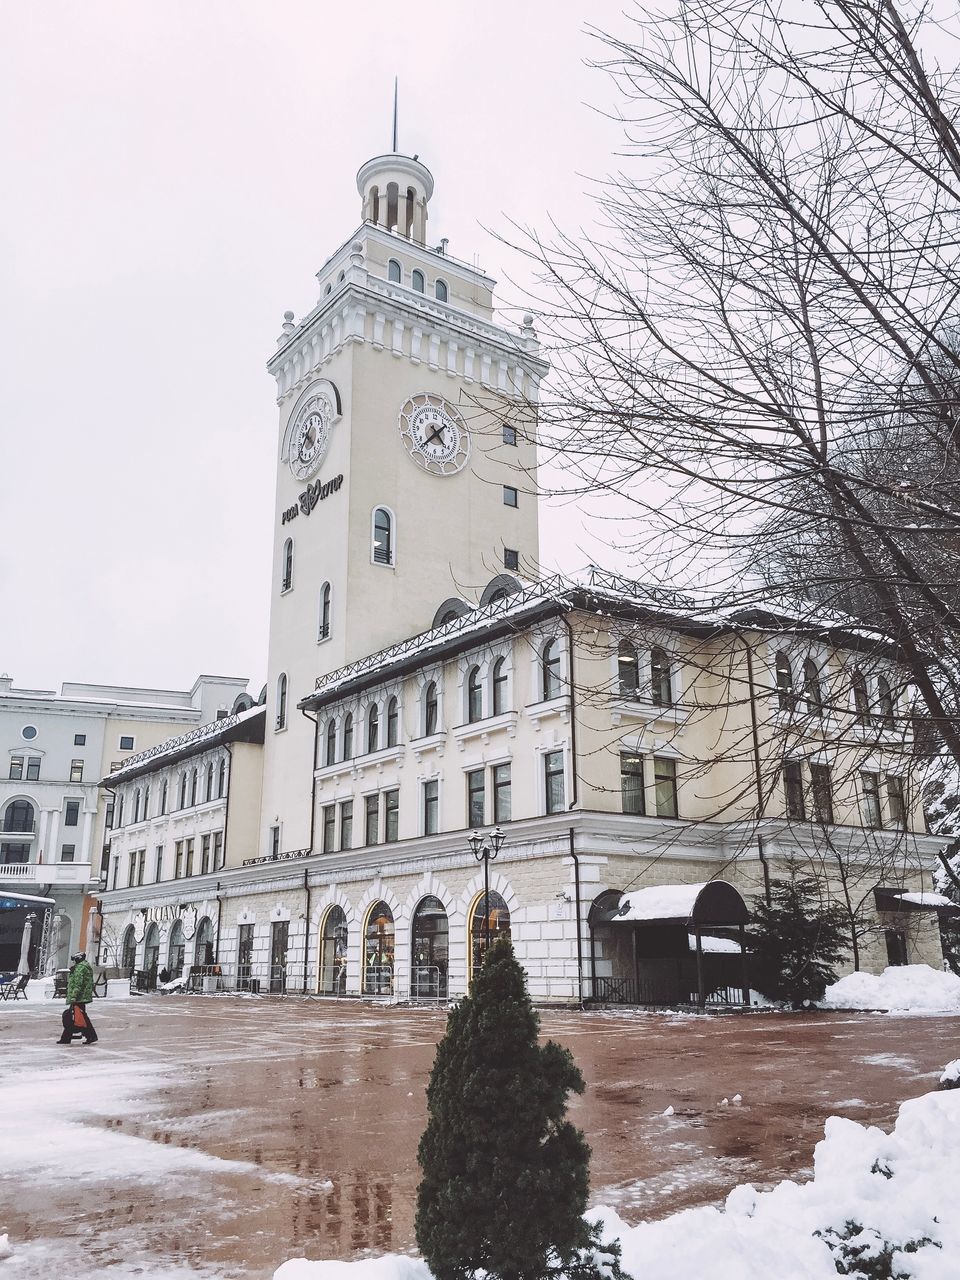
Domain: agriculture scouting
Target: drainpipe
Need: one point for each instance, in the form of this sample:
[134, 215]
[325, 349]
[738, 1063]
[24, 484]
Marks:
[313, 775]
[757, 772]
[226, 811]
[576, 882]
[306, 926]
[219, 915]
[575, 787]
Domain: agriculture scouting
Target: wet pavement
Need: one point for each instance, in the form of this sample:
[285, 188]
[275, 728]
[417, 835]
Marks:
[219, 1136]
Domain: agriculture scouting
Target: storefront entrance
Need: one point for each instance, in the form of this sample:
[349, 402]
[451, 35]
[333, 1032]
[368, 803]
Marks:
[428, 974]
[279, 934]
[332, 978]
[378, 951]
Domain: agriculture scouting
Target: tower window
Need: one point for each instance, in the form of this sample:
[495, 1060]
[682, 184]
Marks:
[287, 579]
[382, 536]
[509, 434]
[282, 702]
[416, 280]
[511, 558]
[440, 289]
[323, 628]
[509, 496]
[394, 272]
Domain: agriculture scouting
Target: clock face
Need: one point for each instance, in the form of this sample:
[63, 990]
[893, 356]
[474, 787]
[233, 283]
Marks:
[310, 437]
[434, 434]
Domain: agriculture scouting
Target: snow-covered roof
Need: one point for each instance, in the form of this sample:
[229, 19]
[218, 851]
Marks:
[714, 946]
[914, 900]
[231, 728]
[661, 902]
[715, 902]
[927, 898]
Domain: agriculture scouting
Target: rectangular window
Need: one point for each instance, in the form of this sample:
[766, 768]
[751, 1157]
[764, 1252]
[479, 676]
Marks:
[501, 793]
[431, 807]
[274, 841]
[141, 865]
[68, 853]
[72, 816]
[346, 824]
[126, 743]
[391, 816]
[76, 770]
[115, 765]
[329, 828]
[371, 819]
[793, 790]
[553, 781]
[219, 857]
[108, 816]
[116, 871]
[16, 768]
[511, 558]
[158, 865]
[204, 854]
[509, 434]
[188, 865]
[870, 784]
[896, 802]
[79, 739]
[509, 496]
[631, 782]
[665, 786]
[475, 798]
[33, 768]
[821, 781]
[132, 870]
[178, 860]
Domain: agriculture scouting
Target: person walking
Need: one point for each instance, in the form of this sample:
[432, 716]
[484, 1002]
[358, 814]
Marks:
[79, 994]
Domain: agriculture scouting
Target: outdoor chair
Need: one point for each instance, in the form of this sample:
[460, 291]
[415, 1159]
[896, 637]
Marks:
[15, 988]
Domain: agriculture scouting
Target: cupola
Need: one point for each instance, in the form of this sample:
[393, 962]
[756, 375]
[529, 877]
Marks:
[395, 190]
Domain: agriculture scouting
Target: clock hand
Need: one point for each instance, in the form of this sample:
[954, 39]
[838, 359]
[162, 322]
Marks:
[436, 434]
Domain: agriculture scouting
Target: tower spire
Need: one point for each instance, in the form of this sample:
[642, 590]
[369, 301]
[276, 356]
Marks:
[395, 115]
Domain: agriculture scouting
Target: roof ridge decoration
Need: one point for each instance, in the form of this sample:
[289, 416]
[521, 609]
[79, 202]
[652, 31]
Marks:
[170, 746]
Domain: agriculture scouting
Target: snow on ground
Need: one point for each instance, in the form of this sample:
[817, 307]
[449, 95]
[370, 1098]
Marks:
[870, 1189]
[950, 1078]
[914, 988]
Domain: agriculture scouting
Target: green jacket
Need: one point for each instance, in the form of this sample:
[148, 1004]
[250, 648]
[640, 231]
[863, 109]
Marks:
[80, 983]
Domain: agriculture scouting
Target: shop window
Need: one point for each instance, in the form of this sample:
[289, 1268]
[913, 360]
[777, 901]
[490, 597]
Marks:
[665, 786]
[334, 936]
[489, 920]
[631, 783]
[128, 950]
[245, 981]
[279, 946]
[175, 950]
[378, 951]
[431, 950]
[203, 948]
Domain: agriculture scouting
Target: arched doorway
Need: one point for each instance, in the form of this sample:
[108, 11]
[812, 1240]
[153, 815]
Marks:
[175, 950]
[203, 948]
[332, 975]
[378, 951]
[151, 955]
[497, 922]
[128, 950]
[431, 936]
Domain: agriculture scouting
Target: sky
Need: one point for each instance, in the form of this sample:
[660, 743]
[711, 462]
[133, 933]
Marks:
[173, 175]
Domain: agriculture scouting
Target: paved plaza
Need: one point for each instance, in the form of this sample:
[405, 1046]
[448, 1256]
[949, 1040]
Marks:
[218, 1136]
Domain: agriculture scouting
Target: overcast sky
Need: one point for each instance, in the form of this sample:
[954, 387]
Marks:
[174, 174]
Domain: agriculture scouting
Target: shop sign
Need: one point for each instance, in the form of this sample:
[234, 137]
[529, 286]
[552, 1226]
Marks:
[157, 915]
[313, 494]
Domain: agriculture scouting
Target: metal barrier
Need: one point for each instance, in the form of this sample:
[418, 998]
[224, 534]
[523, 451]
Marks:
[427, 982]
[378, 980]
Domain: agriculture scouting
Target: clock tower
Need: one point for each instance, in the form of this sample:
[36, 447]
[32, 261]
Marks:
[406, 464]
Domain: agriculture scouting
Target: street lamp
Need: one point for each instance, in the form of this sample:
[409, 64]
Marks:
[484, 847]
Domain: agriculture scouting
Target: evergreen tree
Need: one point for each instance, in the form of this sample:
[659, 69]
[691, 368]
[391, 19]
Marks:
[798, 940]
[505, 1175]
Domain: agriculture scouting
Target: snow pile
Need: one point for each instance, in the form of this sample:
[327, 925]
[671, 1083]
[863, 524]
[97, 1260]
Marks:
[911, 987]
[950, 1077]
[873, 1195]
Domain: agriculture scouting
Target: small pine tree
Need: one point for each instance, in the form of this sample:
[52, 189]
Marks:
[797, 940]
[505, 1175]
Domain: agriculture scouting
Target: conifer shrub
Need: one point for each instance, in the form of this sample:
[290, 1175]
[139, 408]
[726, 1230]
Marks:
[797, 940]
[505, 1174]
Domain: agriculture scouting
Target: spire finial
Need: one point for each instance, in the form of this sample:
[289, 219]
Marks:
[395, 115]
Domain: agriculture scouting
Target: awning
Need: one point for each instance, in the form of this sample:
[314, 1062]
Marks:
[695, 905]
[922, 900]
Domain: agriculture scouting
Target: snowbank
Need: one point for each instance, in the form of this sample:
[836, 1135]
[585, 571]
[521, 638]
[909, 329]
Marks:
[950, 1078]
[870, 1189]
[912, 987]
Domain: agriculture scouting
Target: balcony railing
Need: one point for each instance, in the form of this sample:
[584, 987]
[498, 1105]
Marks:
[13, 827]
[46, 872]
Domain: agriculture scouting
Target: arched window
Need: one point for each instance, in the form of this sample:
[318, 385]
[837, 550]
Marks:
[393, 722]
[128, 950]
[193, 787]
[19, 817]
[550, 670]
[885, 702]
[628, 669]
[183, 791]
[323, 625]
[440, 288]
[332, 978]
[146, 803]
[203, 948]
[287, 575]
[163, 797]
[175, 950]
[489, 920]
[394, 271]
[661, 685]
[348, 736]
[416, 280]
[474, 696]
[861, 699]
[136, 805]
[373, 728]
[786, 697]
[812, 689]
[382, 536]
[431, 949]
[208, 790]
[282, 702]
[221, 777]
[120, 812]
[331, 753]
[151, 953]
[430, 709]
[499, 686]
[378, 951]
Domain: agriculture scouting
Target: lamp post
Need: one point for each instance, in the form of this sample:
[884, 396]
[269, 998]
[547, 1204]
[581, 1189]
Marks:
[484, 847]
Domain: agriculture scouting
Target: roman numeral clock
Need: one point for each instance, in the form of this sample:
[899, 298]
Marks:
[434, 434]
